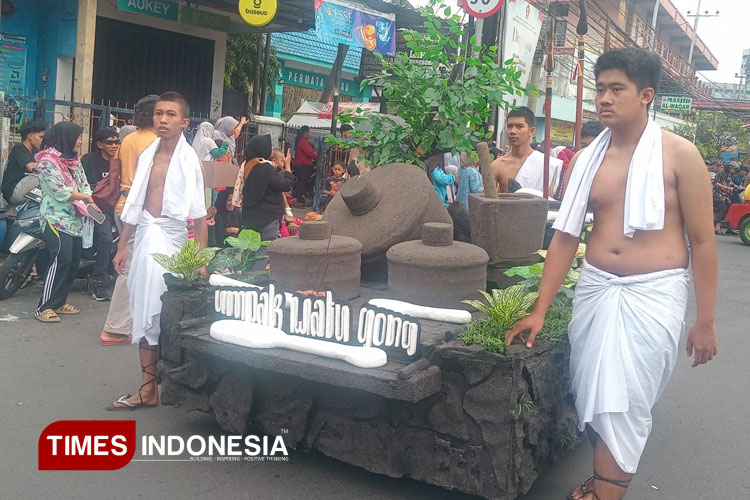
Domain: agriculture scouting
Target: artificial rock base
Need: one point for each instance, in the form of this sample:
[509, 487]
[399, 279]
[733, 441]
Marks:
[488, 426]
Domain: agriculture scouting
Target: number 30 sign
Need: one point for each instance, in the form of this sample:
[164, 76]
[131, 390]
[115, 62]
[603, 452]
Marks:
[482, 8]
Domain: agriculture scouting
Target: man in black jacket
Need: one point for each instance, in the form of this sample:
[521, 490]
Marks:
[19, 177]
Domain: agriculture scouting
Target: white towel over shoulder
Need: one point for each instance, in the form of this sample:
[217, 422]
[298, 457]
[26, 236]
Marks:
[644, 193]
[531, 173]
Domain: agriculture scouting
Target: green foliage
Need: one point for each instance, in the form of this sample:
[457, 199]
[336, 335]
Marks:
[556, 322]
[241, 254]
[714, 132]
[533, 278]
[187, 261]
[444, 100]
[505, 307]
[485, 333]
[241, 60]
[525, 403]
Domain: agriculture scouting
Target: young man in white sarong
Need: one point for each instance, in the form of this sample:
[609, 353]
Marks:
[524, 163]
[167, 190]
[646, 187]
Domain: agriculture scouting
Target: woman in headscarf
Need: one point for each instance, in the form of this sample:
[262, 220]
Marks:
[65, 194]
[228, 129]
[262, 198]
[203, 142]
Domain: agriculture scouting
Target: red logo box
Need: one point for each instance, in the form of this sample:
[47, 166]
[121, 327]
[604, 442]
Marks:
[87, 445]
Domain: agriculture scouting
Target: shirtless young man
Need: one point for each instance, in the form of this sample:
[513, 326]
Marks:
[632, 295]
[167, 190]
[523, 163]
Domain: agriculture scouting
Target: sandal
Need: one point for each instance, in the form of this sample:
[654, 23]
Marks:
[48, 316]
[67, 309]
[585, 489]
[122, 400]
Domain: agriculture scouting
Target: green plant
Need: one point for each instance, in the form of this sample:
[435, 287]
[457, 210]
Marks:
[241, 254]
[485, 333]
[714, 132]
[242, 60]
[556, 322]
[187, 261]
[444, 98]
[505, 307]
[524, 403]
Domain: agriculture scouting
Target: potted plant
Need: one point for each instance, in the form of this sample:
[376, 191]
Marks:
[182, 267]
[240, 257]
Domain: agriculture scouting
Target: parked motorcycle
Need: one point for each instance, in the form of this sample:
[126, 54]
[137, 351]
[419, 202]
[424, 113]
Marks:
[28, 248]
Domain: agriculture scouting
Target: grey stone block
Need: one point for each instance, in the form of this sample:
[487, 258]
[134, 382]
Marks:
[232, 401]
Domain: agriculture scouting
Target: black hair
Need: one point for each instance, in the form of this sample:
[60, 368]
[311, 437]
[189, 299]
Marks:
[302, 131]
[346, 128]
[32, 128]
[591, 129]
[642, 67]
[176, 98]
[525, 113]
[340, 163]
[144, 111]
[105, 133]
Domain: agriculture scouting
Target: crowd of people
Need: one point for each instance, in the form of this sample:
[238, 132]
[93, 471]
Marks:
[731, 184]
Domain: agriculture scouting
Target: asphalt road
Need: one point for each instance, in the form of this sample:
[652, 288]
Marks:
[699, 448]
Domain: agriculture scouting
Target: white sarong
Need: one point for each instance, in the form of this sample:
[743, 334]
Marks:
[531, 173]
[624, 338]
[146, 277]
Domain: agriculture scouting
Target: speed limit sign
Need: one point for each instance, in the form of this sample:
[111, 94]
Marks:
[482, 8]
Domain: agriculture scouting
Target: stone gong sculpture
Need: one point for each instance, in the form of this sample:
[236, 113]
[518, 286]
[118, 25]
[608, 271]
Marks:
[317, 260]
[436, 271]
[508, 226]
[384, 207]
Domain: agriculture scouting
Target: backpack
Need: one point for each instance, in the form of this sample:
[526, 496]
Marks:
[107, 190]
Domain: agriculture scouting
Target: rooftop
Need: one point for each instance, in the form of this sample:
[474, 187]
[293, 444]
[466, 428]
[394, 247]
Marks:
[306, 45]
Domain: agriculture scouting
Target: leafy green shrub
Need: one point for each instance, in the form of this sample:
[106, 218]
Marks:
[505, 307]
[485, 333]
[187, 261]
[241, 254]
[556, 321]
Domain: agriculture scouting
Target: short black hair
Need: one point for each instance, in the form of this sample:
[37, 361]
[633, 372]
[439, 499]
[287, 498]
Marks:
[346, 128]
[32, 128]
[340, 163]
[105, 133]
[176, 98]
[591, 129]
[144, 111]
[525, 113]
[642, 67]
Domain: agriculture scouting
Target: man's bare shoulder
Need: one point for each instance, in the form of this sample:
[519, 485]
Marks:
[499, 166]
[680, 153]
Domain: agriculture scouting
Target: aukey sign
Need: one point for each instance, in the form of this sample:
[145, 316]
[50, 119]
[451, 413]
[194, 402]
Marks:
[676, 104]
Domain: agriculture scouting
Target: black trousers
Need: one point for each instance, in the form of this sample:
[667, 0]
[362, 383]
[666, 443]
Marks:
[103, 247]
[64, 255]
[304, 175]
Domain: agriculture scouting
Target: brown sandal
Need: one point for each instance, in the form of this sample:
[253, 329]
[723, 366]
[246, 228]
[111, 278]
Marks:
[588, 485]
[48, 316]
[122, 403]
[67, 309]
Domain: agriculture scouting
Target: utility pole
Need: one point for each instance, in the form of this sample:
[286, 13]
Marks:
[697, 16]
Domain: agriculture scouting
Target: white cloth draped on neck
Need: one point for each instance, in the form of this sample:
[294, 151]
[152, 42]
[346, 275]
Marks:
[146, 277]
[644, 193]
[624, 338]
[531, 173]
[183, 196]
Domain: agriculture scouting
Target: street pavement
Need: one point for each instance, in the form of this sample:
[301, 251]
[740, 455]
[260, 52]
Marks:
[699, 447]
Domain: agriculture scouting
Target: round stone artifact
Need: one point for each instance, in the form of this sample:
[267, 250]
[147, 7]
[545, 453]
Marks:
[385, 207]
[316, 260]
[437, 271]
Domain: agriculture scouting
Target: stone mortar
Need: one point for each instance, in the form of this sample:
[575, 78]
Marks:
[317, 260]
[509, 227]
[437, 271]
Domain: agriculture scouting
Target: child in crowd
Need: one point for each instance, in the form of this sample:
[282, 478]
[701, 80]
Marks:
[332, 184]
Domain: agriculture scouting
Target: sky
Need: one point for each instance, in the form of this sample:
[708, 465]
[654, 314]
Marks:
[726, 35]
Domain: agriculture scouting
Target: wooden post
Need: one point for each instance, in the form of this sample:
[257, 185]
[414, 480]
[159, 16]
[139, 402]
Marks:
[549, 67]
[264, 76]
[581, 29]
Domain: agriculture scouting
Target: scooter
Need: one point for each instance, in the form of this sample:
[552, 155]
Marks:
[29, 248]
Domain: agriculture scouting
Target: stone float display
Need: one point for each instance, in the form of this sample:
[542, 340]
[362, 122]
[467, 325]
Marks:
[384, 207]
[458, 417]
[317, 260]
[436, 271]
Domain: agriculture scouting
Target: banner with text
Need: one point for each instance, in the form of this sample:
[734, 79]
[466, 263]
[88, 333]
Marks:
[13, 61]
[355, 25]
[523, 23]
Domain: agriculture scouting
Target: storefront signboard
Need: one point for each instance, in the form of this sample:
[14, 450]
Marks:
[204, 19]
[523, 23]
[13, 61]
[309, 80]
[163, 9]
[676, 104]
[562, 132]
[258, 12]
[355, 25]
